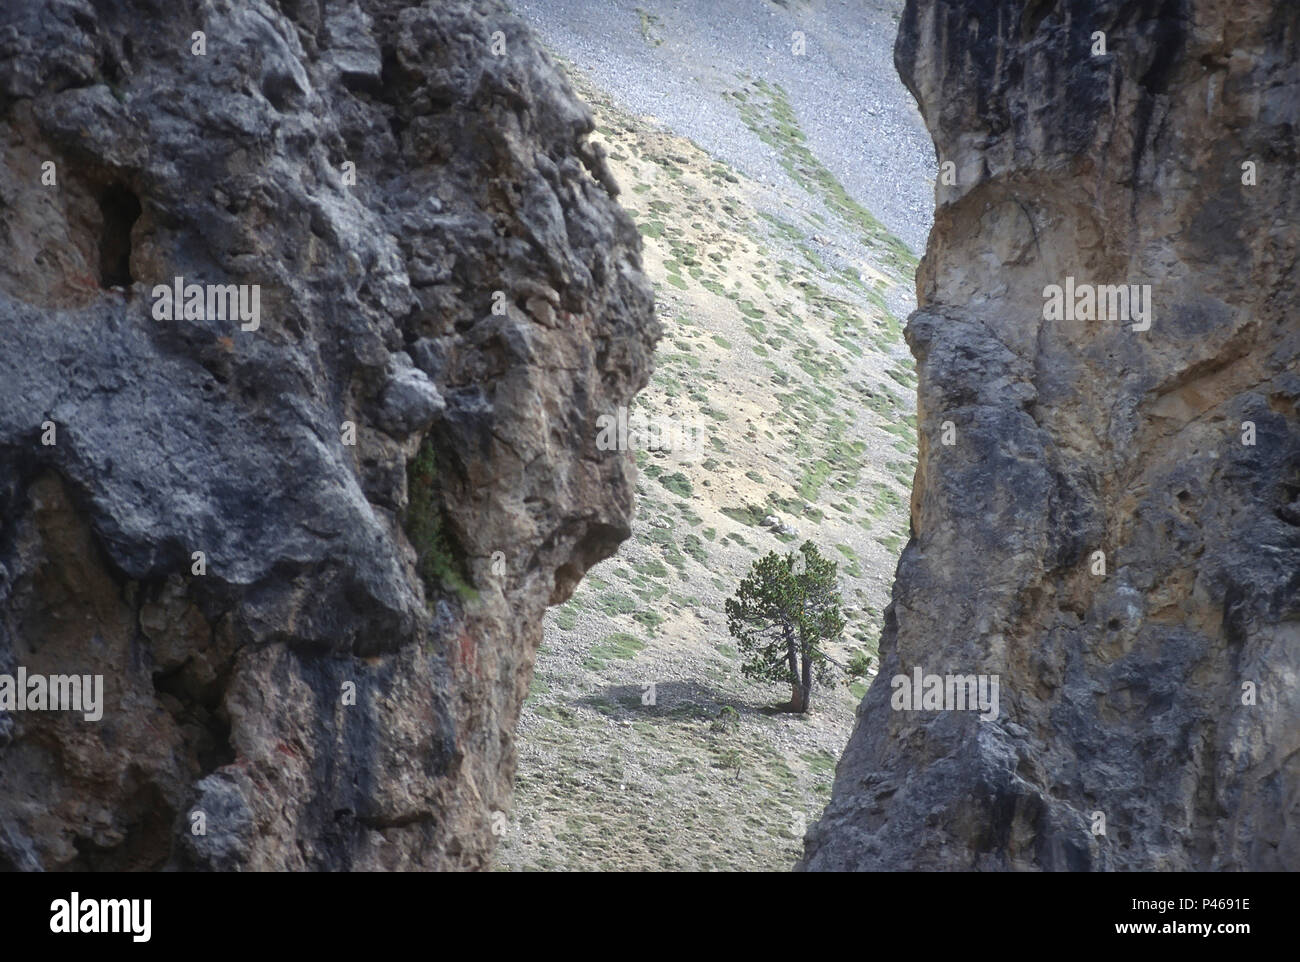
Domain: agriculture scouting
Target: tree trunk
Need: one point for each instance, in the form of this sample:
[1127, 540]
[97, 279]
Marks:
[806, 701]
[798, 703]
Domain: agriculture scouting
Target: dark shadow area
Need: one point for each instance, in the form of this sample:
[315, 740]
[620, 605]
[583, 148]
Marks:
[120, 209]
[674, 701]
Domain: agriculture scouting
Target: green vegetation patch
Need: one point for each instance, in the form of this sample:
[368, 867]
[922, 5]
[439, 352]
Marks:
[619, 645]
[677, 483]
[439, 559]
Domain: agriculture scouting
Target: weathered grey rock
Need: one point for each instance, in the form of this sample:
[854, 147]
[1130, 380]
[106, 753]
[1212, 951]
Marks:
[411, 401]
[1121, 694]
[225, 691]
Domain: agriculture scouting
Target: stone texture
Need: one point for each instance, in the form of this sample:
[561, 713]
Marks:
[1123, 693]
[224, 690]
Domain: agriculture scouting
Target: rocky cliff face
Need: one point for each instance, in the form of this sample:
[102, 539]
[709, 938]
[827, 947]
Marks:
[1106, 516]
[388, 461]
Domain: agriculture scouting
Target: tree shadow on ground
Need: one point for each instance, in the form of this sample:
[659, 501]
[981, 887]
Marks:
[674, 701]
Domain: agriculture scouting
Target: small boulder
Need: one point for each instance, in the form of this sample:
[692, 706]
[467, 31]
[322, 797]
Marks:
[410, 402]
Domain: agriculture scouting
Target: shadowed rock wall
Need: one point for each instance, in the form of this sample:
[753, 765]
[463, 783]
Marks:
[390, 471]
[1112, 530]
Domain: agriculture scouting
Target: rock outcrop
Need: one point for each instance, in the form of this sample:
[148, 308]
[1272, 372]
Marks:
[1106, 514]
[307, 546]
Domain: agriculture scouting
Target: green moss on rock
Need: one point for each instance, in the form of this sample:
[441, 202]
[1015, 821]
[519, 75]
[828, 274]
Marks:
[440, 561]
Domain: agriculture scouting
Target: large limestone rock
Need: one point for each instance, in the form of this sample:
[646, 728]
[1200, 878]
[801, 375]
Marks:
[381, 170]
[1125, 695]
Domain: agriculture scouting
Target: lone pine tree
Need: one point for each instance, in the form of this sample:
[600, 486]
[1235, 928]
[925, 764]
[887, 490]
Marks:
[782, 618]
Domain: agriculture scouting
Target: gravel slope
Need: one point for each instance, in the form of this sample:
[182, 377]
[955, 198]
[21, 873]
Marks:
[781, 300]
[782, 351]
[674, 59]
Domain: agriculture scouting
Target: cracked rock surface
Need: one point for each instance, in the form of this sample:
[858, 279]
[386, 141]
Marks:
[333, 683]
[1161, 694]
